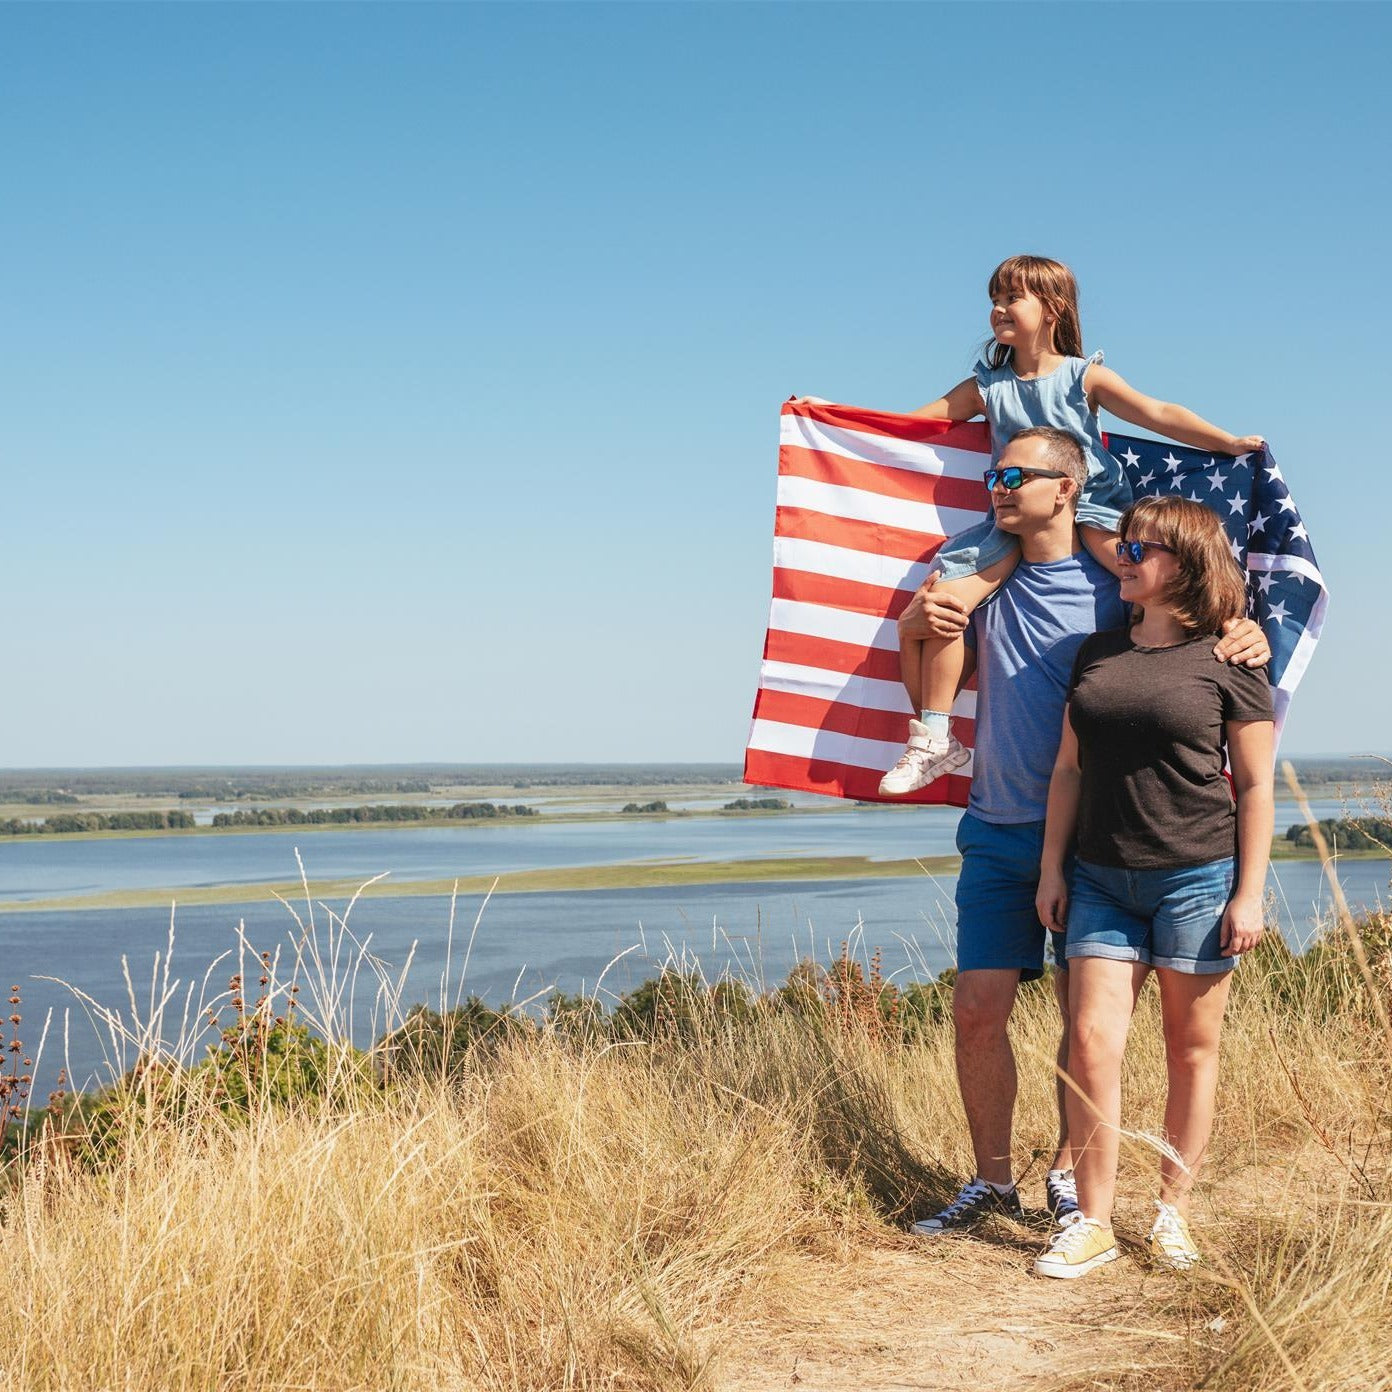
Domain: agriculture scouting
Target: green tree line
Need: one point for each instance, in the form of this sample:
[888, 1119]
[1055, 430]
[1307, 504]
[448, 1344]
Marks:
[368, 812]
[1345, 833]
[98, 821]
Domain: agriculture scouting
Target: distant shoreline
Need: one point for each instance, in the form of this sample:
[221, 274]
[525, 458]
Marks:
[648, 875]
[569, 879]
[548, 815]
[424, 823]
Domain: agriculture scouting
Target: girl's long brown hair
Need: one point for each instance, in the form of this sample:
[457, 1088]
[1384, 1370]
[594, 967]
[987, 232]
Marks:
[1209, 588]
[1052, 282]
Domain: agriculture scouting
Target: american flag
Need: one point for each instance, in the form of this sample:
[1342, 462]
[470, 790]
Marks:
[865, 498]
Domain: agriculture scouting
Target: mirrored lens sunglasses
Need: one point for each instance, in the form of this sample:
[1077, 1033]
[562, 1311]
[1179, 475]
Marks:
[1135, 551]
[1012, 476]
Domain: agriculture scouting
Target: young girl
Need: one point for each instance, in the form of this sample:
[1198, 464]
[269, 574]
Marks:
[1171, 865]
[1034, 374]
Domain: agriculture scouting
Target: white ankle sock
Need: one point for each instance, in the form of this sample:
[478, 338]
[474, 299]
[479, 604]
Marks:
[936, 721]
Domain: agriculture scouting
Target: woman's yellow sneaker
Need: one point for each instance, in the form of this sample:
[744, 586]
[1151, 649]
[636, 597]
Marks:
[1076, 1248]
[1169, 1242]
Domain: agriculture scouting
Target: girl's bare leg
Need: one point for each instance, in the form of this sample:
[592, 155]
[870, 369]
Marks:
[1101, 546]
[943, 659]
[1102, 996]
[911, 669]
[931, 669]
[1191, 1007]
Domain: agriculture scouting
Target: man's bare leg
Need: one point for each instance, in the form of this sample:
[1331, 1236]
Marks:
[981, 1005]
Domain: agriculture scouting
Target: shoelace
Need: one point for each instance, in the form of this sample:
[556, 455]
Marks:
[919, 758]
[1073, 1234]
[969, 1196]
[1065, 1187]
[1169, 1226]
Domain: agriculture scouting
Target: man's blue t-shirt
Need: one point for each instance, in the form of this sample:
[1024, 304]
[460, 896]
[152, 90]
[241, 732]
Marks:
[1025, 640]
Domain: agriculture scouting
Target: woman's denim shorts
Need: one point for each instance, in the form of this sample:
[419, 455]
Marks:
[1165, 918]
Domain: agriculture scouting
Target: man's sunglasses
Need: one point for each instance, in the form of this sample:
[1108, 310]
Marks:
[1135, 551]
[1012, 477]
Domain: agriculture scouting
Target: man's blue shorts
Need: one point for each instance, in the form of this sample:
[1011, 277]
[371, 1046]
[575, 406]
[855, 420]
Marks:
[997, 926]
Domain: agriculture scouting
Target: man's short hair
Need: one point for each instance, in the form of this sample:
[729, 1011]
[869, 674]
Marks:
[1062, 450]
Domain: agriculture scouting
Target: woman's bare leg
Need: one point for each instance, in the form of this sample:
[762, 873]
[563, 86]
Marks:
[1192, 1008]
[1101, 996]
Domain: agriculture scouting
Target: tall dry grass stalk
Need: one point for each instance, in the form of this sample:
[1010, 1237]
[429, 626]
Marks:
[575, 1208]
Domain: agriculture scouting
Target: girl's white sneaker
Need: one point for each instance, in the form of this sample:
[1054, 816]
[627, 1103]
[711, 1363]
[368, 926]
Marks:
[923, 761]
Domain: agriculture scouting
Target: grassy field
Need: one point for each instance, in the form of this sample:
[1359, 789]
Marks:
[716, 1198]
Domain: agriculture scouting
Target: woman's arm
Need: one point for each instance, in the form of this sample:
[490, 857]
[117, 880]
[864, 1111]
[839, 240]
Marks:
[1060, 820]
[1250, 752]
[961, 403]
[1107, 388]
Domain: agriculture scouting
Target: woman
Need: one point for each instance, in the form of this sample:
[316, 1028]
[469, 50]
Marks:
[1170, 869]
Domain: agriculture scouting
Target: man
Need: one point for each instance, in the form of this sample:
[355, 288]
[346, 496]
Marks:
[1021, 646]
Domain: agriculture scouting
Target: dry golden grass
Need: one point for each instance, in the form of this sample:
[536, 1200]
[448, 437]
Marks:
[594, 1212]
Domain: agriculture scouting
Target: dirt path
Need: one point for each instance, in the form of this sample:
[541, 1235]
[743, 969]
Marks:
[965, 1313]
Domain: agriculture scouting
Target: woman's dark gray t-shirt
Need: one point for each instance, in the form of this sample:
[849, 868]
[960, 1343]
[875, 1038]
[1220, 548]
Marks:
[1149, 723]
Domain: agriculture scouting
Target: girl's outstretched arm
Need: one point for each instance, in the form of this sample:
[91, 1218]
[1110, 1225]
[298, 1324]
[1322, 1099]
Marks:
[961, 403]
[1107, 388]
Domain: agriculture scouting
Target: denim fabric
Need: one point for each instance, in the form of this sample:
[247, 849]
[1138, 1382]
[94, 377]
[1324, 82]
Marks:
[1013, 403]
[997, 926]
[1167, 918]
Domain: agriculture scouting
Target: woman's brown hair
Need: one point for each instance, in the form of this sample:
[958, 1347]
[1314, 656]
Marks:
[1209, 588]
[1053, 284]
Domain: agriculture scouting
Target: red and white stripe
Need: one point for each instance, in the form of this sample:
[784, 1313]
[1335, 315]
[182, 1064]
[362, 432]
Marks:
[865, 499]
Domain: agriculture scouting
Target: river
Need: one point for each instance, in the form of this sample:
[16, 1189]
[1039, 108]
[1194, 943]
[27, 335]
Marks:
[526, 944]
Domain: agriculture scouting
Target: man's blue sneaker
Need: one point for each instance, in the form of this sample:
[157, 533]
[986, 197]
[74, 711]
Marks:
[1061, 1194]
[974, 1202]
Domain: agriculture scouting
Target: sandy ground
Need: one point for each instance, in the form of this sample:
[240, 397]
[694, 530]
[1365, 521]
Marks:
[965, 1312]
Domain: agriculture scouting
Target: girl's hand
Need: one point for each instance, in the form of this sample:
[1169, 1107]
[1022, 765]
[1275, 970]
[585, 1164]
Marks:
[1051, 902]
[1247, 444]
[1242, 925]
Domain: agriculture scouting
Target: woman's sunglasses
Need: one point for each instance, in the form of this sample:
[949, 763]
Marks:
[1012, 477]
[1135, 551]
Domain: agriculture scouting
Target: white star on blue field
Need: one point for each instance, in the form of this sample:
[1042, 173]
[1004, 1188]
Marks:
[1284, 585]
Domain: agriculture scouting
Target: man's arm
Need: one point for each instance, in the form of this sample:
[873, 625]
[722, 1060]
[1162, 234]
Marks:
[1243, 644]
[931, 615]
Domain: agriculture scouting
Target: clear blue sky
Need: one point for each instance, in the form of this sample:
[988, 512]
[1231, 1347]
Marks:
[400, 382]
